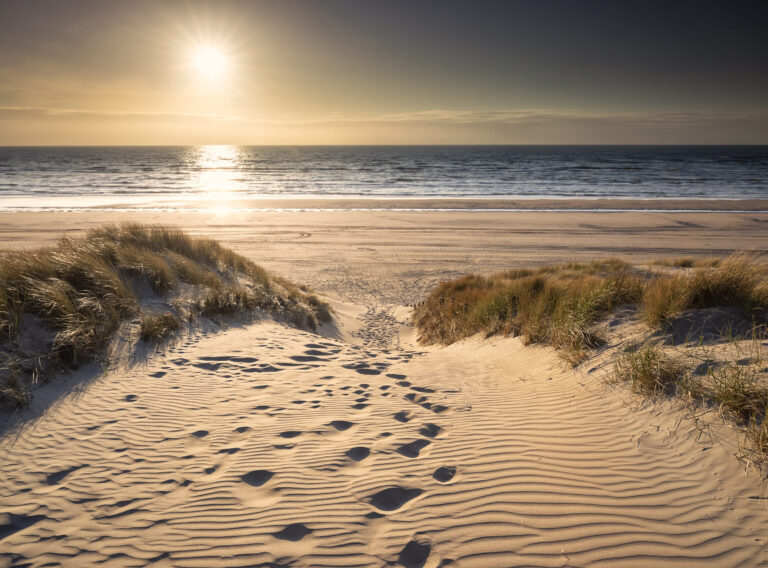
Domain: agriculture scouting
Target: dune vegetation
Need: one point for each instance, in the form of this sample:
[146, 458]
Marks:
[563, 305]
[567, 306]
[61, 305]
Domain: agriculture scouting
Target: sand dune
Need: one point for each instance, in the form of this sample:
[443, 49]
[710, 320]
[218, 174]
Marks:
[272, 446]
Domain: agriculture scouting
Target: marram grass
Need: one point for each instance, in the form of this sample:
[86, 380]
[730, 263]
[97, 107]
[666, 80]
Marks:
[73, 296]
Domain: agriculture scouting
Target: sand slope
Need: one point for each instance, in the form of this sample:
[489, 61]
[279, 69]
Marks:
[272, 446]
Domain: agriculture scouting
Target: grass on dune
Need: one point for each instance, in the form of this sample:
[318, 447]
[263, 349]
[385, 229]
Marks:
[557, 305]
[70, 298]
[737, 281]
[723, 379]
[561, 305]
[154, 327]
[564, 306]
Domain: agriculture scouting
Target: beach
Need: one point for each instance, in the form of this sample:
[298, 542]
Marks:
[359, 254]
[265, 445]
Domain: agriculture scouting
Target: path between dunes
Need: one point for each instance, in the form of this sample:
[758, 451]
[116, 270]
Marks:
[271, 446]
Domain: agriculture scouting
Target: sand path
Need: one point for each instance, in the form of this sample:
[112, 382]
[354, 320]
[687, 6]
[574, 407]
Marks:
[269, 446]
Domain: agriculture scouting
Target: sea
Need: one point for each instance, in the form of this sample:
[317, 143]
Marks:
[136, 177]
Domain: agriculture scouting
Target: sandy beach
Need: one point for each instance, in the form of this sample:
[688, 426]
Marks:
[395, 257]
[264, 445]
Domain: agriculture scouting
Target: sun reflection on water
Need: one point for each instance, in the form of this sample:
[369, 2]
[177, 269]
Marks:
[219, 176]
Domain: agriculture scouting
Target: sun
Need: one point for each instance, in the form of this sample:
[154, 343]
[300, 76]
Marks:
[210, 62]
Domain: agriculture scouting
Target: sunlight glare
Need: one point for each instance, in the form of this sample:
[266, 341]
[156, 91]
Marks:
[210, 62]
[219, 177]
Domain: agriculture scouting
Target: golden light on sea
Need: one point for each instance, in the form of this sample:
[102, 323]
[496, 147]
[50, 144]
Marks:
[218, 176]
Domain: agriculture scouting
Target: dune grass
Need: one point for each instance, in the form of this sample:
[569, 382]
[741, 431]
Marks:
[154, 327]
[713, 377]
[689, 262]
[565, 305]
[557, 305]
[561, 305]
[649, 370]
[70, 298]
[737, 281]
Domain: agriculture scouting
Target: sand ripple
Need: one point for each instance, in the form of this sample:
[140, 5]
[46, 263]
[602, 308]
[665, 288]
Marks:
[270, 446]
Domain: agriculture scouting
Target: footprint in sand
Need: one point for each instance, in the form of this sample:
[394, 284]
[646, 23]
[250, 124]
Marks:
[412, 449]
[358, 453]
[200, 433]
[242, 429]
[415, 554]
[444, 474]
[341, 425]
[430, 430]
[395, 376]
[293, 532]
[131, 397]
[257, 478]
[402, 416]
[393, 498]
[290, 434]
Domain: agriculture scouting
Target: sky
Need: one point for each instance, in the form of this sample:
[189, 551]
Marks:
[383, 72]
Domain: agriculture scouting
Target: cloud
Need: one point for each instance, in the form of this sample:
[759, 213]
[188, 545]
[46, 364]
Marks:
[544, 115]
[43, 125]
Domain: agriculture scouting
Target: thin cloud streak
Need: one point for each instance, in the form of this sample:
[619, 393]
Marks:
[430, 116]
[42, 125]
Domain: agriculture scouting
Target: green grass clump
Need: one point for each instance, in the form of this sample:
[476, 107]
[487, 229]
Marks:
[649, 370]
[81, 289]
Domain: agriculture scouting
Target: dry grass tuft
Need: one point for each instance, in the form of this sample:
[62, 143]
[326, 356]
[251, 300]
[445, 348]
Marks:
[722, 377]
[649, 370]
[558, 305]
[81, 289]
[738, 281]
[562, 305]
[689, 262]
[154, 327]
